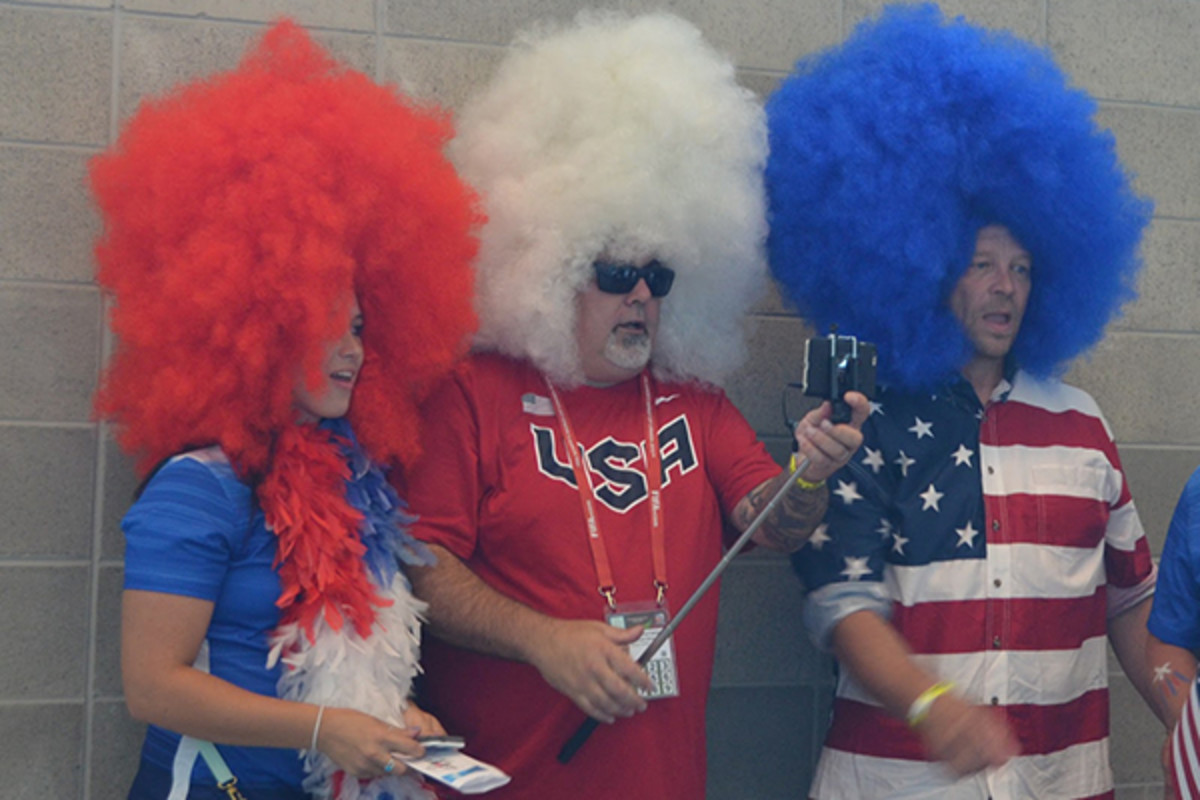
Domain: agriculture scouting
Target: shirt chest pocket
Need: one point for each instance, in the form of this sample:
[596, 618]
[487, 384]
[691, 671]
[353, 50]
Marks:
[1072, 503]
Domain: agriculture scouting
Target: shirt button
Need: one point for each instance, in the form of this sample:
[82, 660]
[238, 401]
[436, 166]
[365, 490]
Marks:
[995, 524]
[990, 470]
[996, 642]
[995, 701]
[997, 583]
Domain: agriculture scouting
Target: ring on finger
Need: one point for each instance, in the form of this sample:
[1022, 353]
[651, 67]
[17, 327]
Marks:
[390, 766]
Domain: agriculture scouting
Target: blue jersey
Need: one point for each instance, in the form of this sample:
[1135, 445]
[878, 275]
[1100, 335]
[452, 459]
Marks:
[1175, 618]
[197, 531]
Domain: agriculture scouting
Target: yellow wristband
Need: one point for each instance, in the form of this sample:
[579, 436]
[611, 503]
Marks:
[919, 709]
[807, 486]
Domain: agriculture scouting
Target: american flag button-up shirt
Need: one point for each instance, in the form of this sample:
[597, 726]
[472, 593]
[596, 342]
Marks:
[998, 540]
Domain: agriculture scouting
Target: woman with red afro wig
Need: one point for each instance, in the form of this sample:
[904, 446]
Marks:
[288, 254]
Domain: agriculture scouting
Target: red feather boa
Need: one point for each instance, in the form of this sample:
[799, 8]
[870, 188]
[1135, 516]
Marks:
[320, 556]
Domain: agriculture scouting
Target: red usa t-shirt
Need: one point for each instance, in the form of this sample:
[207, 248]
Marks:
[495, 488]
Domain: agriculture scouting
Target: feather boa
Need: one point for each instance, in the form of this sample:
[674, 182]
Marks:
[349, 633]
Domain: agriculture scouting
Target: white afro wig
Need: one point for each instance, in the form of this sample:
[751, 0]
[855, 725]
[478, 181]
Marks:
[627, 138]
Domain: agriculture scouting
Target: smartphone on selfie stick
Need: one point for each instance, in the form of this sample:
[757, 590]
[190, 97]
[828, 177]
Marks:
[834, 365]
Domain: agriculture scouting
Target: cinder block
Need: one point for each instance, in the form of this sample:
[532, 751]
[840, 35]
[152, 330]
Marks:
[358, 15]
[762, 84]
[47, 223]
[47, 481]
[770, 34]
[444, 72]
[780, 446]
[775, 358]
[760, 633]
[1137, 735]
[48, 353]
[157, 53]
[107, 680]
[55, 72]
[1022, 17]
[73, 3]
[120, 484]
[1138, 792]
[1138, 380]
[468, 21]
[116, 747]
[1169, 286]
[41, 756]
[822, 716]
[1158, 145]
[758, 741]
[775, 302]
[1156, 478]
[1144, 51]
[44, 630]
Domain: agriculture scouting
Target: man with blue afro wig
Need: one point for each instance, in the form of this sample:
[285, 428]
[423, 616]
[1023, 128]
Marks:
[940, 190]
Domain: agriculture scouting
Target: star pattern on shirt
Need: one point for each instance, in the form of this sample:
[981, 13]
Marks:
[905, 462]
[820, 536]
[1161, 672]
[856, 568]
[885, 528]
[898, 543]
[848, 492]
[963, 455]
[921, 428]
[931, 496]
[873, 459]
[876, 408]
[966, 535]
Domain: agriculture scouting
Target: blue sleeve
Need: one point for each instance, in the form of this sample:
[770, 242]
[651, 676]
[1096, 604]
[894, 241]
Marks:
[182, 533]
[842, 564]
[1175, 616]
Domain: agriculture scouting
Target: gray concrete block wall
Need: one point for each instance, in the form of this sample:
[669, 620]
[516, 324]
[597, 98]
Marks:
[70, 70]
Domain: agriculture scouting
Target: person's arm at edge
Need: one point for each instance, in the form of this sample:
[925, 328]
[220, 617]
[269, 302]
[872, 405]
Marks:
[966, 737]
[161, 635]
[1131, 643]
[586, 660]
[828, 447]
[1174, 671]
[1177, 667]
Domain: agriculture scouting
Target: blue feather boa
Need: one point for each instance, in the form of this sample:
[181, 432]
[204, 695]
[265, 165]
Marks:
[384, 529]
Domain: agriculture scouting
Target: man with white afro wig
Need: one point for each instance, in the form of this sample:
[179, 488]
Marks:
[583, 469]
[627, 140]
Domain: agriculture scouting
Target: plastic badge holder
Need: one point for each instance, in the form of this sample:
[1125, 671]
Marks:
[445, 763]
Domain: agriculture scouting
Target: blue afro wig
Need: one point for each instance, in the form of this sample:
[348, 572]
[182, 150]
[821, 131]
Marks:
[890, 152]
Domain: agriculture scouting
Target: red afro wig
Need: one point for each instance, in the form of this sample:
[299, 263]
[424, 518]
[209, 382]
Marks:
[240, 211]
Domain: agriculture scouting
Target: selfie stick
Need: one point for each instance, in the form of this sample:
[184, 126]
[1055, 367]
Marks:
[572, 745]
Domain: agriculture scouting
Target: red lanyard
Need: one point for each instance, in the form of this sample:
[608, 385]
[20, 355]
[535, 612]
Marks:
[587, 499]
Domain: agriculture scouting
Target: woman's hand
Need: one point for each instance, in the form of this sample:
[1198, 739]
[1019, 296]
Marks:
[425, 723]
[363, 745]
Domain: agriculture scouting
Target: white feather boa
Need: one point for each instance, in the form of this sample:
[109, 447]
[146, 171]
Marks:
[342, 670]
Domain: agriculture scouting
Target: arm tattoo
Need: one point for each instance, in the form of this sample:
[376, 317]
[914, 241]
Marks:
[1169, 679]
[793, 519]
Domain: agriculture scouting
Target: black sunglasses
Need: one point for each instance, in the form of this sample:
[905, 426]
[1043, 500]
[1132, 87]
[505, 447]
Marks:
[621, 278]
